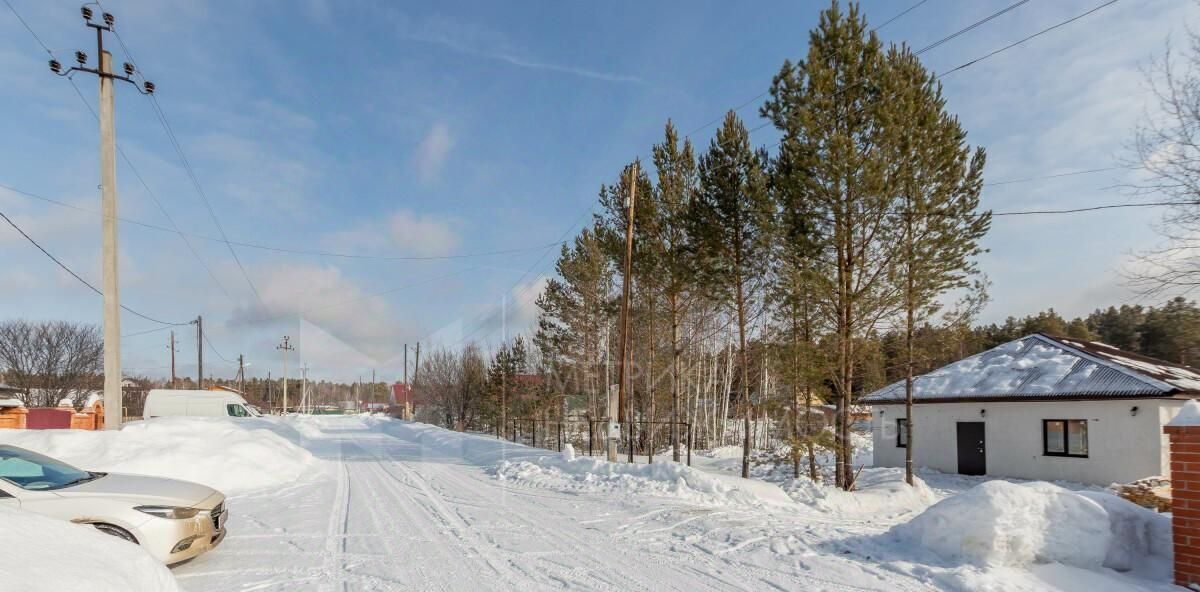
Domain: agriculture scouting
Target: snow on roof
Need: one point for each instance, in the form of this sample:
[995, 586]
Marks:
[1040, 366]
[1189, 416]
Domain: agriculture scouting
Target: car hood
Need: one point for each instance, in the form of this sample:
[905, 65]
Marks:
[146, 489]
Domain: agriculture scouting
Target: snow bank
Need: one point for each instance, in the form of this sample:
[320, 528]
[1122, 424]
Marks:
[1141, 538]
[231, 455]
[1188, 416]
[521, 464]
[999, 523]
[667, 479]
[879, 492]
[45, 554]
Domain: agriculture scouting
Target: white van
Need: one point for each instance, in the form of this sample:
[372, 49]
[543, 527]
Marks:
[171, 403]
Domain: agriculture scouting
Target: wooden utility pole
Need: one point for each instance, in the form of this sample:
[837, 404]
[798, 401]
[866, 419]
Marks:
[200, 352]
[622, 371]
[285, 347]
[416, 371]
[504, 368]
[242, 374]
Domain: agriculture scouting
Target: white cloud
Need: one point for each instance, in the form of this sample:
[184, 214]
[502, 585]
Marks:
[422, 234]
[325, 297]
[431, 154]
[473, 40]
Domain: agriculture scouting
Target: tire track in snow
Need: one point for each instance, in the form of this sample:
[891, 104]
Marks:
[335, 543]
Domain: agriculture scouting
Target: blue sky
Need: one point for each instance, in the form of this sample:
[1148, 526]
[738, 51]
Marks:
[464, 127]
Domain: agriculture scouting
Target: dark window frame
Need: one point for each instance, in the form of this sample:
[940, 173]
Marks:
[1066, 438]
[899, 422]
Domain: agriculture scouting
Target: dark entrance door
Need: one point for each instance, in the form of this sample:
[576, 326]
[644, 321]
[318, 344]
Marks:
[972, 460]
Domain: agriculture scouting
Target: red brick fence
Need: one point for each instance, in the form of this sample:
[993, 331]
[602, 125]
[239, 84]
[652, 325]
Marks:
[1185, 510]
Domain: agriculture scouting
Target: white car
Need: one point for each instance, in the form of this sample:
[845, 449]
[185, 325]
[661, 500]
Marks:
[174, 520]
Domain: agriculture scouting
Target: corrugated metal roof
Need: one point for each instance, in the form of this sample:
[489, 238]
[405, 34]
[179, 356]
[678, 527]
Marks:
[1039, 366]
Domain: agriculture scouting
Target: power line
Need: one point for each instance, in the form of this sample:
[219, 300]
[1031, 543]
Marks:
[898, 16]
[214, 350]
[970, 27]
[886, 23]
[294, 251]
[481, 320]
[1070, 174]
[124, 157]
[187, 165]
[154, 197]
[1095, 208]
[77, 276]
[1039, 33]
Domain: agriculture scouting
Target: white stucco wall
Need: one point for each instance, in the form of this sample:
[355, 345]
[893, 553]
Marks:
[1121, 447]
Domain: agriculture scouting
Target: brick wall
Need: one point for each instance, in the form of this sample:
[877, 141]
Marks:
[1185, 514]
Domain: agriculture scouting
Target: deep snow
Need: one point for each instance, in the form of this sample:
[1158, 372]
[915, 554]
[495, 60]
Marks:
[231, 455]
[370, 503]
[53, 555]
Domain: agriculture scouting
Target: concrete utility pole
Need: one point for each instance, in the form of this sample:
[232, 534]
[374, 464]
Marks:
[304, 388]
[171, 346]
[622, 371]
[108, 207]
[285, 347]
[200, 352]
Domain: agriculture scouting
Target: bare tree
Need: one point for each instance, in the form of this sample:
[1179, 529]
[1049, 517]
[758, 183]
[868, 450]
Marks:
[48, 360]
[1167, 146]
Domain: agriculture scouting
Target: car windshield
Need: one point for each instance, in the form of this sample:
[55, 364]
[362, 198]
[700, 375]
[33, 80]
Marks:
[30, 470]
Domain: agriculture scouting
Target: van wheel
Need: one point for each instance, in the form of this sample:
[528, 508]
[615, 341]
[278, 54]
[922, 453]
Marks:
[116, 531]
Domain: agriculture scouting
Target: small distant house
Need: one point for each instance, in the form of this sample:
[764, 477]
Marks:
[1040, 407]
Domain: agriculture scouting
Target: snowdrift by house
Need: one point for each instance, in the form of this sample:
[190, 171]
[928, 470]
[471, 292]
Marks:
[999, 523]
[881, 492]
[665, 479]
[231, 455]
[52, 555]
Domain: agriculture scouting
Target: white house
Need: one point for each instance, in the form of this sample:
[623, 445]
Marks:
[1040, 407]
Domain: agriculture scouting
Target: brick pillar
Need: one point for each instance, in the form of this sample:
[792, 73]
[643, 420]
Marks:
[1185, 503]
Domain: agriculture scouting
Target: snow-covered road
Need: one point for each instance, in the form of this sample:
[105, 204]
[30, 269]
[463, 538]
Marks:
[390, 512]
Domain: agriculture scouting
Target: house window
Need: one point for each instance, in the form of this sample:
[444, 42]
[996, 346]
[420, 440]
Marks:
[902, 433]
[1065, 437]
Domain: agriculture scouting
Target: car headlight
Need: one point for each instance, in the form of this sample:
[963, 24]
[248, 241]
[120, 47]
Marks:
[170, 512]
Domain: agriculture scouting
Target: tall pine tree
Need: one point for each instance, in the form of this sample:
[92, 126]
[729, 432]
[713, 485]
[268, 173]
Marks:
[829, 106]
[938, 180]
[676, 166]
[728, 226]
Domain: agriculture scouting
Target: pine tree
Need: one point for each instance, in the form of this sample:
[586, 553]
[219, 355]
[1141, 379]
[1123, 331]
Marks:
[676, 167]
[829, 106]
[792, 295]
[574, 309]
[938, 182]
[728, 226]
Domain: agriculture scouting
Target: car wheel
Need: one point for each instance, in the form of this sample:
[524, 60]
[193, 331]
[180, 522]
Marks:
[116, 531]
